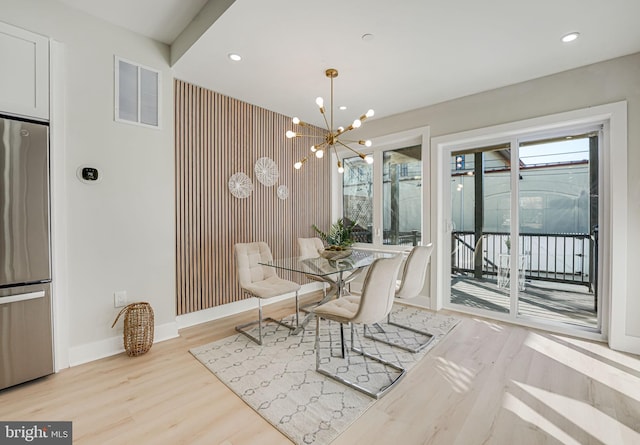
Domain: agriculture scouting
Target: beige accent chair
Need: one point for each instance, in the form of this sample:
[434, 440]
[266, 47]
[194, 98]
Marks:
[311, 248]
[414, 272]
[374, 305]
[261, 282]
[410, 286]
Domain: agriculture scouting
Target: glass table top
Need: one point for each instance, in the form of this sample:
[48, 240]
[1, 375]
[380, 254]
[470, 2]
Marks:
[321, 266]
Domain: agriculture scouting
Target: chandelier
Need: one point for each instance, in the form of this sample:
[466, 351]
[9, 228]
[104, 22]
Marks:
[333, 137]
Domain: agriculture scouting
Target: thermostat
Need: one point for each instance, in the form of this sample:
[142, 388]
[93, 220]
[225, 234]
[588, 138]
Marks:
[88, 174]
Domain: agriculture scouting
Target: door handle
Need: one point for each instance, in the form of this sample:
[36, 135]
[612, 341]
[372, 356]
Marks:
[21, 297]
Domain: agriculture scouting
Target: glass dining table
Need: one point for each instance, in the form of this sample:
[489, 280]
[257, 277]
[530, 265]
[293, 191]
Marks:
[335, 272]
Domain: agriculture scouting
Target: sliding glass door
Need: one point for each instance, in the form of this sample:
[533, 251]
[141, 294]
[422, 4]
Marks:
[524, 216]
[481, 207]
[558, 223]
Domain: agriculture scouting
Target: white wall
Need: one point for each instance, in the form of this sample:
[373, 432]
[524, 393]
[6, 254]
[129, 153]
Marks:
[117, 234]
[597, 84]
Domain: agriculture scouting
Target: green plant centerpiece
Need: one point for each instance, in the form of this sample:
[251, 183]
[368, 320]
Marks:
[339, 239]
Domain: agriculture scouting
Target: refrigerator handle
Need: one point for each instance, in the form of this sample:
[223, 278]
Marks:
[21, 297]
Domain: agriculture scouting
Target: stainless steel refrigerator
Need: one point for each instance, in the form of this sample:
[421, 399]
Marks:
[26, 344]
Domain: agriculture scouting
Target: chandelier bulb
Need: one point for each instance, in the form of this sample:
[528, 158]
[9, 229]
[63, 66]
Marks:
[332, 137]
[298, 164]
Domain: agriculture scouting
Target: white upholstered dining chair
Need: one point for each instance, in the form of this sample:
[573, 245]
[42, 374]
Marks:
[261, 282]
[414, 272]
[409, 286]
[311, 248]
[374, 304]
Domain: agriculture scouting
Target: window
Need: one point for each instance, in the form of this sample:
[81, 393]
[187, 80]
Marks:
[402, 196]
[357, 197]
[137, 97]
[388, 199]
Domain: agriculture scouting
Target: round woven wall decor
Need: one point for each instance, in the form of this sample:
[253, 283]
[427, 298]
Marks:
[267, 171]
[283, 192]
[240, 185]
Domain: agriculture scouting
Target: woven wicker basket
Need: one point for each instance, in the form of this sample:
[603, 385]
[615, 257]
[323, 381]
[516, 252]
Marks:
[138, 328]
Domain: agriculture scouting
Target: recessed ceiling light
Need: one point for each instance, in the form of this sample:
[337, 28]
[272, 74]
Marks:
[235, 57]
[367, 37]
[570, 37]
[342, 107]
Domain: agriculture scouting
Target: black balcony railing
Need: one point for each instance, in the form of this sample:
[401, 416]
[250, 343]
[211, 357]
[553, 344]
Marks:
[558, 257]
[409, 238]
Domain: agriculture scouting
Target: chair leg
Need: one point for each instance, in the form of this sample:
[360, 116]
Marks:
[343, 346]
[241, 328]
[404, 347]
[374, 394]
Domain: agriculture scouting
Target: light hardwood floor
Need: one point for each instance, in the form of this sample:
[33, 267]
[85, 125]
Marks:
[485, 383]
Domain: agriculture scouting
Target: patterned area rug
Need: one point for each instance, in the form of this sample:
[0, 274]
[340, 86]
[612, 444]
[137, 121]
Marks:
[278, 379]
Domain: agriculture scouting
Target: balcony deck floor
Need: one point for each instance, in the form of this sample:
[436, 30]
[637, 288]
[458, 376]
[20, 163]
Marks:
[558, 302]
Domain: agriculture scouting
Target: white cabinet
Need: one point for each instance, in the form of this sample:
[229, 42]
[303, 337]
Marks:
[24, 72]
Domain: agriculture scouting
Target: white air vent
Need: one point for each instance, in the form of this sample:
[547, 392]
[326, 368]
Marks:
[137, 94]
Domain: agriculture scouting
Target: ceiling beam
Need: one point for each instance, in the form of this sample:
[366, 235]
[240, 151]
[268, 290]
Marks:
[207, 16]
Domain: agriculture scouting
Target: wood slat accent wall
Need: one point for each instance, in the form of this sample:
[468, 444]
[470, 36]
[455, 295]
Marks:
[215, 137]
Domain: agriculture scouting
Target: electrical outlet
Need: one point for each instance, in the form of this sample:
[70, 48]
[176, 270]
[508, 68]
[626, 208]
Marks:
[120, 298]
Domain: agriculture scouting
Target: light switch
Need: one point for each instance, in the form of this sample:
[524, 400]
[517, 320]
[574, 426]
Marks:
[120, 298]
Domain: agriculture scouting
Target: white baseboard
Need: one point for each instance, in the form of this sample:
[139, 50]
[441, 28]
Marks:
[114, 345]
[203, 316]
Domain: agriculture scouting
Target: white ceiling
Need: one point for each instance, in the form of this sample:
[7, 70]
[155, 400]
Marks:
[162, 20]
[422, 52]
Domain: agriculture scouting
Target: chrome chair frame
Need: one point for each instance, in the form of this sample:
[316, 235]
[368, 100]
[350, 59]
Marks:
[241, 328]
[413, 278]
[384, 285]
[349, 383]
[246, 283]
